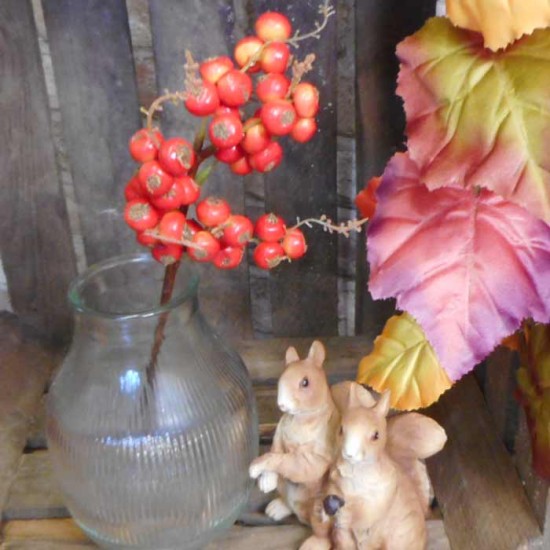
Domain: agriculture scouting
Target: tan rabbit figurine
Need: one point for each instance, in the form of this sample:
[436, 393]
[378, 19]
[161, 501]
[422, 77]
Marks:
[373, 501]
[304, 443]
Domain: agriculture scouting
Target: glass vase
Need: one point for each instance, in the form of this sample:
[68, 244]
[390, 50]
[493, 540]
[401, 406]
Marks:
[151, 419]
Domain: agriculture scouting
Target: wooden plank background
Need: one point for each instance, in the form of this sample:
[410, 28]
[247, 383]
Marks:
[35, 240]
[103, 57]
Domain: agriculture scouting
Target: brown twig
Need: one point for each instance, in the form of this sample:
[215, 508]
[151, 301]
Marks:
[327, 11]
[328, 225]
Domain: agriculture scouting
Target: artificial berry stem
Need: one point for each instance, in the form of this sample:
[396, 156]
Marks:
[166, 295]
[326, 10]
[328, 225]
[157, 105]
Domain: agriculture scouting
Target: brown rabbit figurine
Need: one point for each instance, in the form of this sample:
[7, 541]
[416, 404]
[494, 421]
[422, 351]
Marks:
[304, 443]
[372, 501]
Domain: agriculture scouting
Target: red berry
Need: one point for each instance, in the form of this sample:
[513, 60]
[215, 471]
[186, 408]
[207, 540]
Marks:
[306, 100]
[140, 215]
[278, 117]
[268, 255]
[245, 49]
[154, 180]
[237, 230]
[225, 131]
[272, 86]
[172, 199]
[167, 253]
[230, 154]
[270, 228]
[208, 245]
[273, 26]
[225, 110]
[146, 240]
[214, 68]
[133, 190]
[256, 137]
[229, 257]
[241, 167]
[204, 100]
[176, 156]
[191, 227]
[190, 190]
[144, 145]
[274, 58]
[294, 244]
[268, 159]
[234, 88]
[304, 129]
[213, 211]
[171, 225]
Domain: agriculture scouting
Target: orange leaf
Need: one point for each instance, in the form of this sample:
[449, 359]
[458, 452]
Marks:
[499, 21]
[366, 199]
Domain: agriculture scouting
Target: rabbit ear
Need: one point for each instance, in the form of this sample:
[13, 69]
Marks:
[353, 398]
[317, 353]
[291, 355]
[382, 408]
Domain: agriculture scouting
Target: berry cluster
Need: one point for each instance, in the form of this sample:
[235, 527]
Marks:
[287, 106]
[168, 181]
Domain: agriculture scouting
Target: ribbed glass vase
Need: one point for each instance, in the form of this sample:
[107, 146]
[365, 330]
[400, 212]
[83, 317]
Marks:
[150, 447]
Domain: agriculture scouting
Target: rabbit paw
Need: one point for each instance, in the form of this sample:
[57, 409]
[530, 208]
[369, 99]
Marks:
[257, 468]
[267, 482]
[278, 510]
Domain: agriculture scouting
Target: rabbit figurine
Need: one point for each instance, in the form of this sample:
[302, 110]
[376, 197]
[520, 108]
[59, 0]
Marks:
[304, 443]
[373, 500]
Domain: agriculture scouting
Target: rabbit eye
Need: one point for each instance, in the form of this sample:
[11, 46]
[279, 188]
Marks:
[341, 431]
[304, 382]
[375, 436]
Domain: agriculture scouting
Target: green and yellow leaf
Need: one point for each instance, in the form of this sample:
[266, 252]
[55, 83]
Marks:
[404, 362]
[477, 118]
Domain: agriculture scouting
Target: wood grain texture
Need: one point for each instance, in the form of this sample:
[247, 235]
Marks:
[265, 359]
[499, 385]
[64, 534]
[304, 294]
[94, 73]
[25, 365]
[537, 489]
[207, 30]
[380, 117]
[35, 240]
[477, 487]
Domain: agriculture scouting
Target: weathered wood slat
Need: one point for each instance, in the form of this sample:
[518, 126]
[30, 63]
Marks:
[380, 117]
[205, 28]
[477, 487]
[265, 358]
[63, 534]
[94, 72]
[537, 489]
[35, 240]
[304, 294]
[498, 385]
[25, 365]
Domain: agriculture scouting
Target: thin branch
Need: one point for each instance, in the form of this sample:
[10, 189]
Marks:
[327, 11]
[328, 225]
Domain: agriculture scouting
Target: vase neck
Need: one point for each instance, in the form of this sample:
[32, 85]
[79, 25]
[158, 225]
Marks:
[127, 328]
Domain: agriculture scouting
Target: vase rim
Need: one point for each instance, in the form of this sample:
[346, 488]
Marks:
[80, 282]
